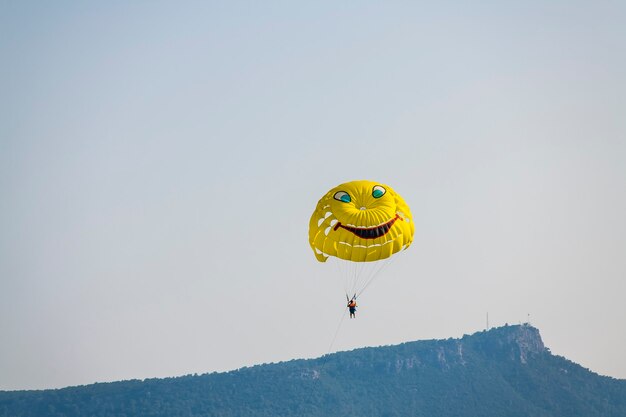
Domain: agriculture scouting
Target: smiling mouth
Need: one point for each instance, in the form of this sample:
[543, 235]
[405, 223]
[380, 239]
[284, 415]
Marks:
[369, 232]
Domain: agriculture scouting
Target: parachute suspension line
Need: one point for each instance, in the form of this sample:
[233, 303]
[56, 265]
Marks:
[358, 276]
[343, 271]
[383, 265]
[351, 274]
[357, 272]
[327, 355]
[348, 277]
[332, 343]
[368, 276]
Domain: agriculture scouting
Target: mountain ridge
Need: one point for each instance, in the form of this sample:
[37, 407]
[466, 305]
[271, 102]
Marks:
[504, 371]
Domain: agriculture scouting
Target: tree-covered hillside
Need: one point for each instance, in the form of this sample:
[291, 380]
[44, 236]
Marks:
[501, 372]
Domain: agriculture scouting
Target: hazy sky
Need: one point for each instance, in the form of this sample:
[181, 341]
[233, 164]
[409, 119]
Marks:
[159, 162]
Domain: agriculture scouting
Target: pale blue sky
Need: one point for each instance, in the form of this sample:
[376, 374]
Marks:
[159, 163]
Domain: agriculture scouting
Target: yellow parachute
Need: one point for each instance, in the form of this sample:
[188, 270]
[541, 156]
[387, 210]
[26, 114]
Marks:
[360, 221]
[360, 225]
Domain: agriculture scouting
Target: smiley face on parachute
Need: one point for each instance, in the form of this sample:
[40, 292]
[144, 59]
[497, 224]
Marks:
[360, 221]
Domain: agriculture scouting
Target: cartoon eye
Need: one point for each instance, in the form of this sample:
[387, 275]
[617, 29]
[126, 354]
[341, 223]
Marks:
[342, 196]
[378, 191]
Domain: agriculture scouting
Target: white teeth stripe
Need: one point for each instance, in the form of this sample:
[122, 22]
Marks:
[333, 222]
[327, 231]
[369, 246]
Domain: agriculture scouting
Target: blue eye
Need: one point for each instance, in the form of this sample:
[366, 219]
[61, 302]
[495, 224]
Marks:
[378, 191]
[342, 196]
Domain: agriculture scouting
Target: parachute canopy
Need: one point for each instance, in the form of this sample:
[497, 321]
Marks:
[360, 221]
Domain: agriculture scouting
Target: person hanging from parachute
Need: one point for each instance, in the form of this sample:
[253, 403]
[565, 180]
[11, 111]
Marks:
[352, 307]
[360, 223]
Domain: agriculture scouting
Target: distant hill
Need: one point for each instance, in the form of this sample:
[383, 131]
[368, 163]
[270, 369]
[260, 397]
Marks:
[505, 371]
